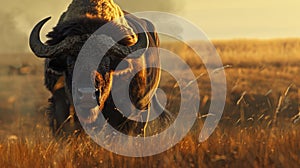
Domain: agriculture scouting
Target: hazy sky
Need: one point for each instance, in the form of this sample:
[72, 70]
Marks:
[217, 18]
[245, 18]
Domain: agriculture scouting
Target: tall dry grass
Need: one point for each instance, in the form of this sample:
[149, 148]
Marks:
[243, 52]
[234, 147]
[259, 127]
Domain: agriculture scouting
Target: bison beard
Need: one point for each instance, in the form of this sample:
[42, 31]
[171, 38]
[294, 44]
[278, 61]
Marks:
[61, 52]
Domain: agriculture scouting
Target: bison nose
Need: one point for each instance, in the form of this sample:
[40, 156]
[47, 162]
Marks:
[86, 93]
[86, 96]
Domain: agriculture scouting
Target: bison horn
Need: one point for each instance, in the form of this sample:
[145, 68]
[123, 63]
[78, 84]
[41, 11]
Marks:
[45, 51]
[142, 43]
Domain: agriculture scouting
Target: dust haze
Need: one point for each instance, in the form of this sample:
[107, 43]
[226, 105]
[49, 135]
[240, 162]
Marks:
[18, 17]
[12, 38]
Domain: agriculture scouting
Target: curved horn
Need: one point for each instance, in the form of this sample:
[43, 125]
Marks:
[37, 47]
[45, 51]
[142, 43]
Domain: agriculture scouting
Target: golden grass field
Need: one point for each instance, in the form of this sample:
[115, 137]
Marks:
[260, 126]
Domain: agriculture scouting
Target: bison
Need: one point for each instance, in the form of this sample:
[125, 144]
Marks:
[76, 25]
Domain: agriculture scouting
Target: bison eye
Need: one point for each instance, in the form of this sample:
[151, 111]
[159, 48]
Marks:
[97, 95]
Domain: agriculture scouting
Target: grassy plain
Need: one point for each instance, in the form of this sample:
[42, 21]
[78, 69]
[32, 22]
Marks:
[260, 126]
